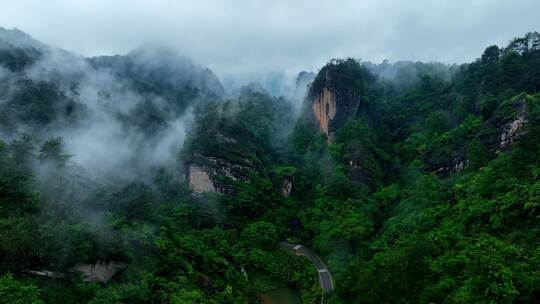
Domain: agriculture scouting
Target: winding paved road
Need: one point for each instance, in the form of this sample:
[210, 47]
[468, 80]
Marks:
[325, 279]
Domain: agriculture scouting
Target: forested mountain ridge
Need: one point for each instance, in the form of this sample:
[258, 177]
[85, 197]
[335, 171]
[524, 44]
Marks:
[463, 158]
[162, 71]
[154, 79]
[419, 186]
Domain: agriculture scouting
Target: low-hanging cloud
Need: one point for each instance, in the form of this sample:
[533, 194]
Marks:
[102, 140]
[235, 37]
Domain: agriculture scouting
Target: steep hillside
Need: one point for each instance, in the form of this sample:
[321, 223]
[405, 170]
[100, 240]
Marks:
[235, 140]
[449, 224]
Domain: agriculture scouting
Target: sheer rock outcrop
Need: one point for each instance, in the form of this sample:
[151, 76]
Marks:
[512, 130]
[333, 108]
[211, 174]
[199, 180]
[338, 94]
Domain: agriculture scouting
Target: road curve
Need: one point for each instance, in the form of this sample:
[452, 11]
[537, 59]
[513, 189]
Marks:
[325, 278]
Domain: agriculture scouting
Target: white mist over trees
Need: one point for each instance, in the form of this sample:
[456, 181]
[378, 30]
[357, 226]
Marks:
[118, 115]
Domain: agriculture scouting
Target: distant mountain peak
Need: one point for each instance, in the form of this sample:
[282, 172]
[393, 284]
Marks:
[164, 69]
[159, 51]
[15, 38]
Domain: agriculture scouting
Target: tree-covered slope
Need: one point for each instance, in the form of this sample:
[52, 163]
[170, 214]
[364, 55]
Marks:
[455, 222]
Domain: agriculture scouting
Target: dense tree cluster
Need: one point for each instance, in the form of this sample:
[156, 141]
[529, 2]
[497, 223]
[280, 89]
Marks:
[450, 212]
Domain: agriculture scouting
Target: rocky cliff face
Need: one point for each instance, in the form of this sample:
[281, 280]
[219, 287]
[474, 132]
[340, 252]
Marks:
[333, 108]
[337, 94]
[500, 132]
[231, 141]
[209, 173]
[199, 180]
[324, 109]
[509, 123]
[286, 187]
[512, 130]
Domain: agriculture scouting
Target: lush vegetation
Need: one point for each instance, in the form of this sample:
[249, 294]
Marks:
[449, 211]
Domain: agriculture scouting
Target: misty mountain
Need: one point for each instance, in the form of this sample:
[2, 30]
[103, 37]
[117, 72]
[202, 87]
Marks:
[17, 49]
[150, 71]
[407, 73]
[251, 86]
[135, 104]
[303, 82]
[163, 72]
[277, 84]
[137, 178]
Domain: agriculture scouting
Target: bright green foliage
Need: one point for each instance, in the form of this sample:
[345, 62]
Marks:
[416, 200]
[15, 292]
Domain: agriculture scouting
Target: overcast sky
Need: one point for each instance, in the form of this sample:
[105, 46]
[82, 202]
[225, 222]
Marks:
[277, 35]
